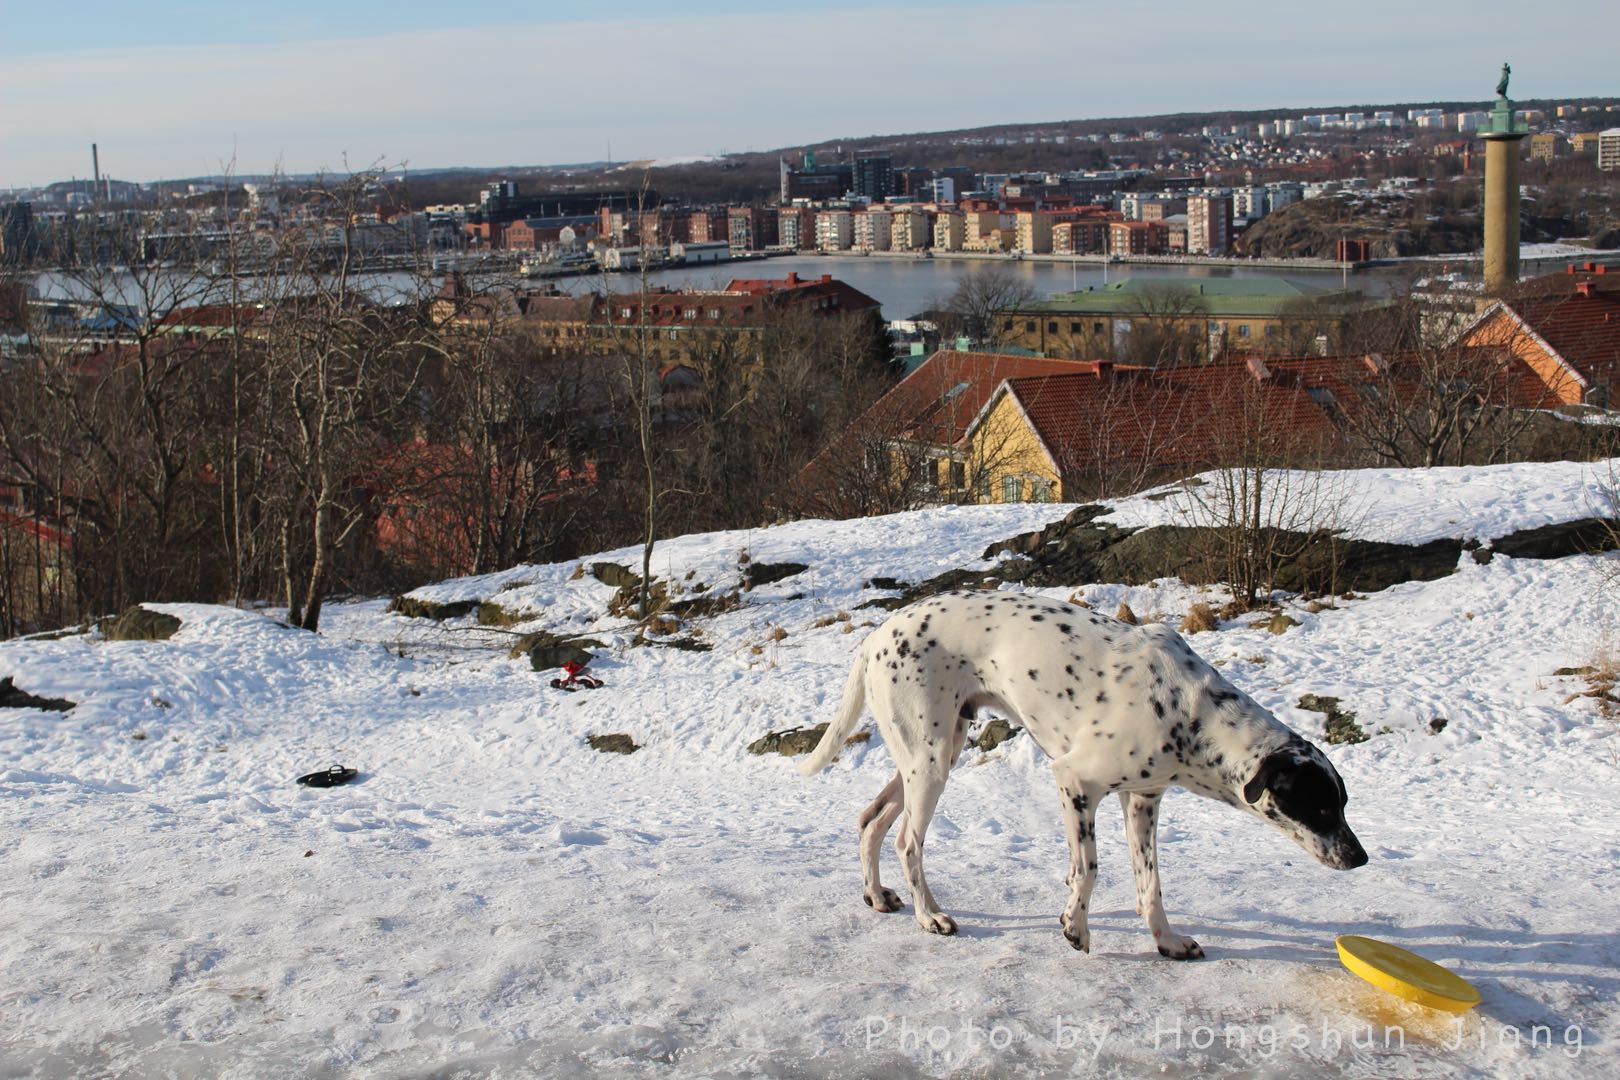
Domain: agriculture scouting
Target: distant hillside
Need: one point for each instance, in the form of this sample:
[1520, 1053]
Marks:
[1427, 223]
[1394, 226]
[748, 176]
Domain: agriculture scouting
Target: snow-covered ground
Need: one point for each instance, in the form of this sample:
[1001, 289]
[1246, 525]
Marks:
[1551, 249]
[492, 897]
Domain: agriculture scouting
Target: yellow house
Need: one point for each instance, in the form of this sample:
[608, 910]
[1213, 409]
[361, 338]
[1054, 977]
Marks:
[1007, 458]
[912, 447]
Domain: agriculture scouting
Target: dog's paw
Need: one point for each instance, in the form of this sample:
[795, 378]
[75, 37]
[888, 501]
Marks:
[1079, 935]
[937, 923]
[886, 900]
[1177, 947]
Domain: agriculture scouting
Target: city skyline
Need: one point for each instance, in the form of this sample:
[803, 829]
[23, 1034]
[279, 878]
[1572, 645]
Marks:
[307, 89]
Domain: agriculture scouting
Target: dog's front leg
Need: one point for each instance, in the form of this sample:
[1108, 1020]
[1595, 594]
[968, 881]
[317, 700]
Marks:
[1080, 819]
[1142, 833]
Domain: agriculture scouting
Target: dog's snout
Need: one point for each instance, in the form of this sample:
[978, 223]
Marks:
[1351, 853]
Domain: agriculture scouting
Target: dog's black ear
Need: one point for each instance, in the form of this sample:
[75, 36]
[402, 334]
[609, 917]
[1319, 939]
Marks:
[1269, 767]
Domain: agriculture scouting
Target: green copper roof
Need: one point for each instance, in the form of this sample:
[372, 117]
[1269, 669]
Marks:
[1215, 296]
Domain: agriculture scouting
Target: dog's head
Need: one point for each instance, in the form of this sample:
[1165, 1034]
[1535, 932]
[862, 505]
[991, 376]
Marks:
[1299, 791]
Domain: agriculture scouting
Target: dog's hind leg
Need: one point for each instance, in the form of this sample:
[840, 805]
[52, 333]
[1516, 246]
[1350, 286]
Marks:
[875, 821]
[1080, 820]
[922, 791]
[1142, 833]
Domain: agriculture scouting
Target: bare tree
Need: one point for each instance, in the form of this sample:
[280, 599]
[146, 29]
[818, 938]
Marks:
[1427, 398]
[969, 310]
[342, 379]
[498, 478]
[1166, 327]
[1265, 501]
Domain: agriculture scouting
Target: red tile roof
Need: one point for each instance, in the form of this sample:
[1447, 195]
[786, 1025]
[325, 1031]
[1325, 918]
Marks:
[1169, 417]
[1582, 328]
[938, 402]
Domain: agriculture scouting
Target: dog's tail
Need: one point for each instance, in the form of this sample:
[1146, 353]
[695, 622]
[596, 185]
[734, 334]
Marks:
[848, 713]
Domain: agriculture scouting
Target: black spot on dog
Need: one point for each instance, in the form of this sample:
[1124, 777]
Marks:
[1037, 618]
[1102, 698]
[1034, 676]
[1158, 709]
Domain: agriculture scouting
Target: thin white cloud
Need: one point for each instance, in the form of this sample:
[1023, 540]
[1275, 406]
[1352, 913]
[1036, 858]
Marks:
[690, 84]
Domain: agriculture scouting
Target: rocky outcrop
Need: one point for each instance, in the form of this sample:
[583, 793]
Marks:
[1314, 227]
[11, 697]
[140, 624]
[1081, 549]
[615, 743]
[546, 651]
[790, 742]
[756, 574]
[995, 733]
[1339, 725]
[416, 608]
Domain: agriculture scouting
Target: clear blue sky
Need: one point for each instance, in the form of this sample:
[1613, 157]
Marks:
[177, 89]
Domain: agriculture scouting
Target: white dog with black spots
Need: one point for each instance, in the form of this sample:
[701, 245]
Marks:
[1119, 708]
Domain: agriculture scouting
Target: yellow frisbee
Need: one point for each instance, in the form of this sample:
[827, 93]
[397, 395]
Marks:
[1406, 974]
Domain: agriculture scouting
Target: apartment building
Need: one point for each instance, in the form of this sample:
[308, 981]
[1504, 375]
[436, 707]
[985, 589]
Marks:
[989, 229]
[796, 228]
[950, 230]
[1608, 150]
[835, 230]
[1544, 146]
[1209, 224]
[1248, 202]
[873, 175]
[1033, 232]
[872, 229]
[909, 229]
[1138, 237]
[708, 226]
[750, 228]
[1088, 236]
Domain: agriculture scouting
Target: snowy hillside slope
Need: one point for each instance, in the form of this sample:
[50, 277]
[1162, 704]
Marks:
[492, 897]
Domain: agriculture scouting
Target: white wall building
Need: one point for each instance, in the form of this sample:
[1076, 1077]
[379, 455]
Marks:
[835, 230]
[1608, 152]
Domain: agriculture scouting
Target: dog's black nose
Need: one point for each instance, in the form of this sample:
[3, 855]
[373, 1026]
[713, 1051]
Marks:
[1352, 854]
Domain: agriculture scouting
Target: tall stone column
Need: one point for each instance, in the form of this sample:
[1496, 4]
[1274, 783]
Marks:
[1502, 140]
